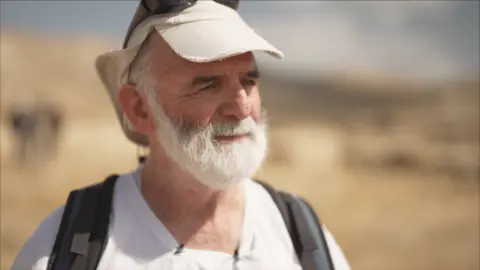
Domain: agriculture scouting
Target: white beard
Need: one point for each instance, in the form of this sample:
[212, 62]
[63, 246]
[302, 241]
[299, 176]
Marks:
[216, 165]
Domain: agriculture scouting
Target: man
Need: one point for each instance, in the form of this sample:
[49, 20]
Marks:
[186, 85]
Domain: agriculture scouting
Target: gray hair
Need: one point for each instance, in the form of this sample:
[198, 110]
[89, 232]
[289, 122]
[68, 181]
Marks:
[140, 74]
[140, 70]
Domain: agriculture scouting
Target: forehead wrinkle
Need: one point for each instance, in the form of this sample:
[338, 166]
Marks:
[164, 60]
[168, 73]
[168, 67]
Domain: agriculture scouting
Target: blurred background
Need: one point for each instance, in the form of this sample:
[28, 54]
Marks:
[374, 118]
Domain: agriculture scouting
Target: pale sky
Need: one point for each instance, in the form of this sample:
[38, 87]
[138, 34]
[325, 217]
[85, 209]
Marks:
[417, 39]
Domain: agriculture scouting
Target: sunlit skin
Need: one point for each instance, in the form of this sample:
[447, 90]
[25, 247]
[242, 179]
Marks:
[202, 93]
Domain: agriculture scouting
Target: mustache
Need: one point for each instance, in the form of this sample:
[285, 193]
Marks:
[188, 126]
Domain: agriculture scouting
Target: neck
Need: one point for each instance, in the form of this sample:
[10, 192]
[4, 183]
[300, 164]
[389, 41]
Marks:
[186, 206]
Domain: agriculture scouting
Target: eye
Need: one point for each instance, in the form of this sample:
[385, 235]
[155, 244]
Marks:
[207, 86]
[248, 82]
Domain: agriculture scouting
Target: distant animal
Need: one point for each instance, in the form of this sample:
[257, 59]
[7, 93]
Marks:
[36, 129]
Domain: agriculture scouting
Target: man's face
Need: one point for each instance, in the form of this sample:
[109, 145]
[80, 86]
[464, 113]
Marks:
[211, 93]
[209, 117]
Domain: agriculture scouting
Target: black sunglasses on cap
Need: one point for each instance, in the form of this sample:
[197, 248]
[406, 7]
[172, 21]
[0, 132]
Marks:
[149, 8]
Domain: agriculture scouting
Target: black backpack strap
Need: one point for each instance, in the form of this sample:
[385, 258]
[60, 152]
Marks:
[315, 250]
[83, 231]
[304, 228]
[70, 210]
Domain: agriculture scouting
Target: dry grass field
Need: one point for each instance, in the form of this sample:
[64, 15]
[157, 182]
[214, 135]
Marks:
[389, 195]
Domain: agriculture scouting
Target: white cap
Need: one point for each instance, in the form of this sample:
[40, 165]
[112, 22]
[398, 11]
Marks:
[206, 32]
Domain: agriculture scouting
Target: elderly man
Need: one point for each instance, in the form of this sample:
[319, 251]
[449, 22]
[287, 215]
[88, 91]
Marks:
[186, 86]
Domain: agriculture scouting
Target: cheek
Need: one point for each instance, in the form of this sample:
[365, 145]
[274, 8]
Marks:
[202, 116]
[256, 104]
[192, 111]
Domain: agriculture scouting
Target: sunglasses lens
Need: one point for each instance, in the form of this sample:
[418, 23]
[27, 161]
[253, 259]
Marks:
[155, 7]
[229, 3]
[167, 6]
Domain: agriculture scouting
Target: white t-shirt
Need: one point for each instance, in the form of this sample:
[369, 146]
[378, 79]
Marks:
[138, 240]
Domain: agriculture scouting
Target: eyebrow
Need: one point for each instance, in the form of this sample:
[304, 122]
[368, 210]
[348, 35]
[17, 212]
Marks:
[255, 73]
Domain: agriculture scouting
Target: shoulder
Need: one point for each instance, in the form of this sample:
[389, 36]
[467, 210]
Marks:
[338, 256]
[35, 252]
[263, 203]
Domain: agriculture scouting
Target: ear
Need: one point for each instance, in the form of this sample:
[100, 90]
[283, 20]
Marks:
[134, 106]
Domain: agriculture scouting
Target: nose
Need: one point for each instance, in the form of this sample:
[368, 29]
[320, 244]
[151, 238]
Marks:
[237, 106]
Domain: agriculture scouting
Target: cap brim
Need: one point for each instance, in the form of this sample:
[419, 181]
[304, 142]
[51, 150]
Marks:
[213, 40]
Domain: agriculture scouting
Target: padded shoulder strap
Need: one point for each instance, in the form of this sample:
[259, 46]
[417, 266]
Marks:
[81, 237]
[315, 252]
[70, 209]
